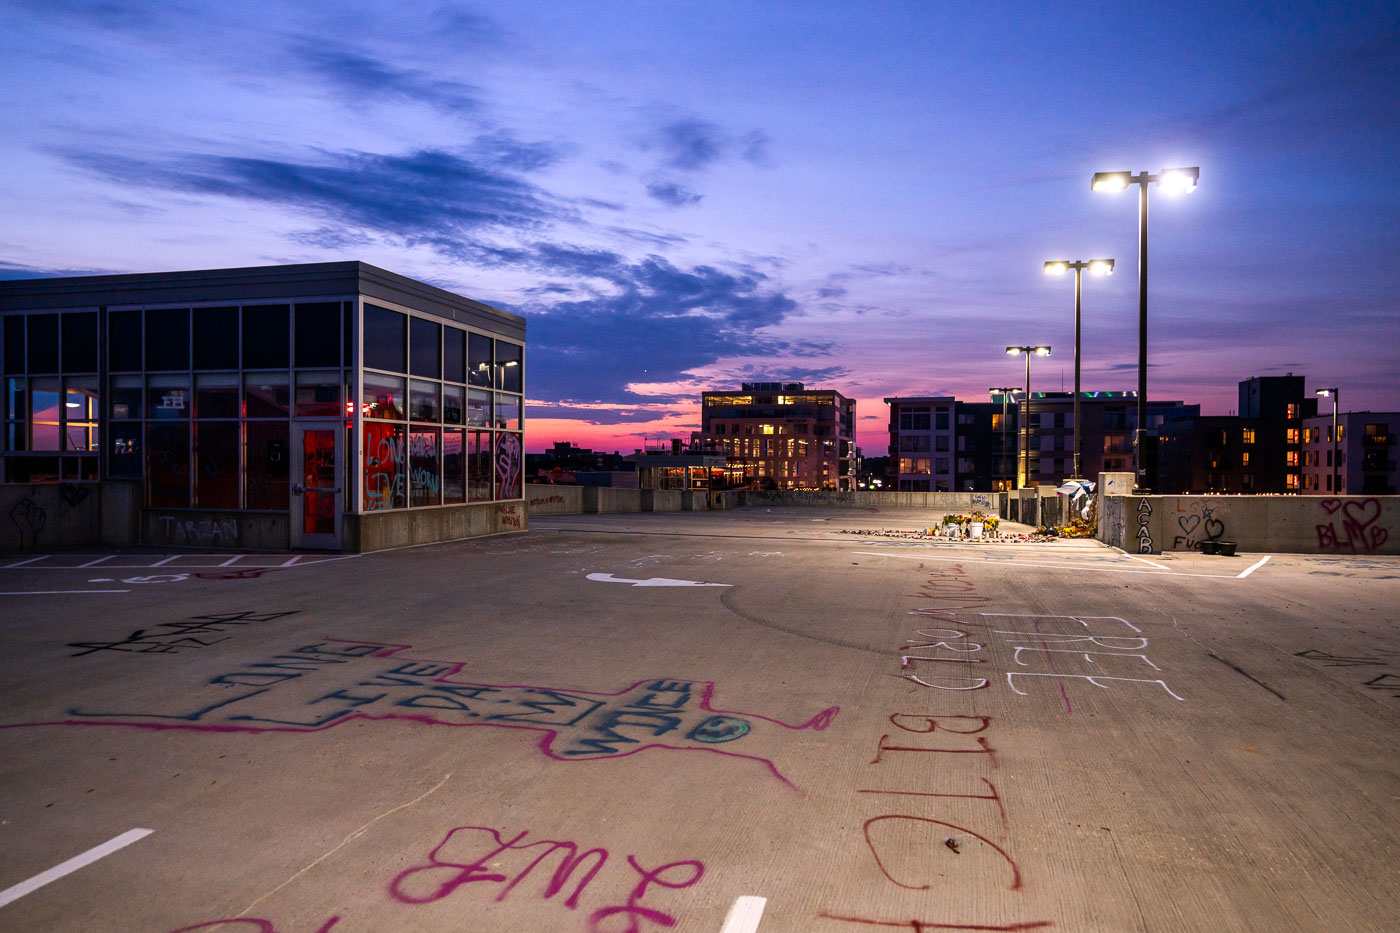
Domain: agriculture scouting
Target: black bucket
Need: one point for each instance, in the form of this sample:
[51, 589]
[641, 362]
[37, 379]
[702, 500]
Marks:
[1227, 548]
[1209, 547]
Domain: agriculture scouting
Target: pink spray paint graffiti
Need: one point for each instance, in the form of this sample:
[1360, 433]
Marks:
[1360, 532]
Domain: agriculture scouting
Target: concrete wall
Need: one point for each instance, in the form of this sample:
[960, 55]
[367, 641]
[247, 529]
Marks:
[867, 499]
[661, 500]
[607, 499]
[548, 499]
[205, 528]
[377, 531]
[49, 516]
[1350, 525]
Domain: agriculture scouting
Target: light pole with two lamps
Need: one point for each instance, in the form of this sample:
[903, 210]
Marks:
[1060, 267]
[1171, 180]
[1023, 470]
[1332, 392]
[1005, 391]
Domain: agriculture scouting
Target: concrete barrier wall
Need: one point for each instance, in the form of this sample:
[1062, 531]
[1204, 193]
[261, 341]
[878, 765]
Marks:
[377, 531]
[868, 499]
[49, 516]
[548, 499]
[662, 500]
[203, 528]
[1350, 525]
[607, 499]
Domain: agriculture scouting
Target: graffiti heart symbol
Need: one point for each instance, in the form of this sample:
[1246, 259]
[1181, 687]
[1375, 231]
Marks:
[1378, 537]
[1214, 529]
[1331, 505]
[1363, 513]
[1189, 523]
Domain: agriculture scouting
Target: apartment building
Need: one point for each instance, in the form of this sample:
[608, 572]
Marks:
[1366, 461]
[783, 435]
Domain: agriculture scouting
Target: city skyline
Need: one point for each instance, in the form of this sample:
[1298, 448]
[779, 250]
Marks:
[684, 197]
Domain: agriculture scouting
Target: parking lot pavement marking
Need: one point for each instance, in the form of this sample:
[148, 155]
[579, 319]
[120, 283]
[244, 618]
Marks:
[744, 915]
[1174, 574]
[1150, 563]
[14, 893]
[55, 592]
[23, 562]
[1255, 566]
[94, 563]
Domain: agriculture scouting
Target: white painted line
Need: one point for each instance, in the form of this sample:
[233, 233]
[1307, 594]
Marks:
[94, 563]
[73, 864]
[1174, 574]
[162, 563]
[29, 561]
[1150, 563]
[1255, 566]
[744, 915]
[291, 560]
[231, 561]
[55, 592]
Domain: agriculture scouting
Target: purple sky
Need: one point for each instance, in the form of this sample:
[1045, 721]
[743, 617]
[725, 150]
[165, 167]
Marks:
[681, 196]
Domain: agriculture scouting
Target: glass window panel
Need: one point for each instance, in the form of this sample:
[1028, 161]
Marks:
[14, 343]
[45, 416]
[16, 435]
[126, 397]
[15, 404]
[31, 469]
[124, 452]
[384, 339]
[168, 396]
[318, 333]
[479, 466]
[42, 341]
[168, 465]
[425, 347]
[168, 339]
[80, 410]
[510, 463]
[383, 397]
[423, 403]
[347, 333]
[266, 395]
[508, 411]
[386, 467]
[318, 394]
[79, 468]
[216, 464]
[80, 342]
[454, 354]
[479, 360]
[266, 336]
[215, 338]
[124, 341]
[216, 395]
[454, 404]
[509, 363]
[425, 472]
[454, 467]
[318, 481]
[478, 408]
[268, 465]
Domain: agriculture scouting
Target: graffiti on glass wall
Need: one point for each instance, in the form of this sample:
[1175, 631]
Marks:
[386, 467]
[509, 461]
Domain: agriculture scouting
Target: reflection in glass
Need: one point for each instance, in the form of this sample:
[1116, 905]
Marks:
[126, 397]
[44, 423]
[216, 464]
[478, 408]
[266, 395]
[454, 404]
[425, 347]
[383, 396]
[479, 360]
[423, 404]
[509, 360]
[124, 456]
[269, 465]
[508, 411]
[80, 413]
[168, 396]
[168, 465]
[216, 395]
[385, 467]
[454, 467]
[479, 466]
[318, 394]
[384, 339]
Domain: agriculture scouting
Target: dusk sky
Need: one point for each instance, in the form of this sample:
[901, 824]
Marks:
[683, 196]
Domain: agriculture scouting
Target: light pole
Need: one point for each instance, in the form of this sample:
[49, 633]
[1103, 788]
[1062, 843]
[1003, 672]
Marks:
[1336, 489]
[1004, 390]
[1023, 470]
[1060, 267]
[1172, 180]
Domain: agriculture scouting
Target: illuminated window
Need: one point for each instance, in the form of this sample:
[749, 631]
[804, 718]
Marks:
[1290, 458]
[1248, 435]
[1291, 436]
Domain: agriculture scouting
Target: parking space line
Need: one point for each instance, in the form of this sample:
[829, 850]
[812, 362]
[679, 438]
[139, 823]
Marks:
[14, 893]
[1255, 566]
[54, 592]
[744, 915]
[94, 563]
[231, 561]
[29, 561]
[1173, 574]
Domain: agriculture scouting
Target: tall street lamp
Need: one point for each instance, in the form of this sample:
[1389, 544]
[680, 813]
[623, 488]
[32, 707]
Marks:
[1023, 470]
[1172, 181]
[1005, 392]
[1060, 267]
[1336, 489]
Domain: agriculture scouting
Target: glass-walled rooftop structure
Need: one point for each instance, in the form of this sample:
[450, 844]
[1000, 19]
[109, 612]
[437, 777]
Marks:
[330, 405]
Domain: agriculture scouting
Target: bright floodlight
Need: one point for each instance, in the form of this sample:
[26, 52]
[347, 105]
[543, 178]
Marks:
[1101, 266]
[1056, 267]
[1042, 351]
[1325, 392]
[1179, 180]
[1110, 181]
[1013, 351]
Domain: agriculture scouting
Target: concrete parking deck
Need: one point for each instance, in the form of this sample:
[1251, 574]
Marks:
[737, 721]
